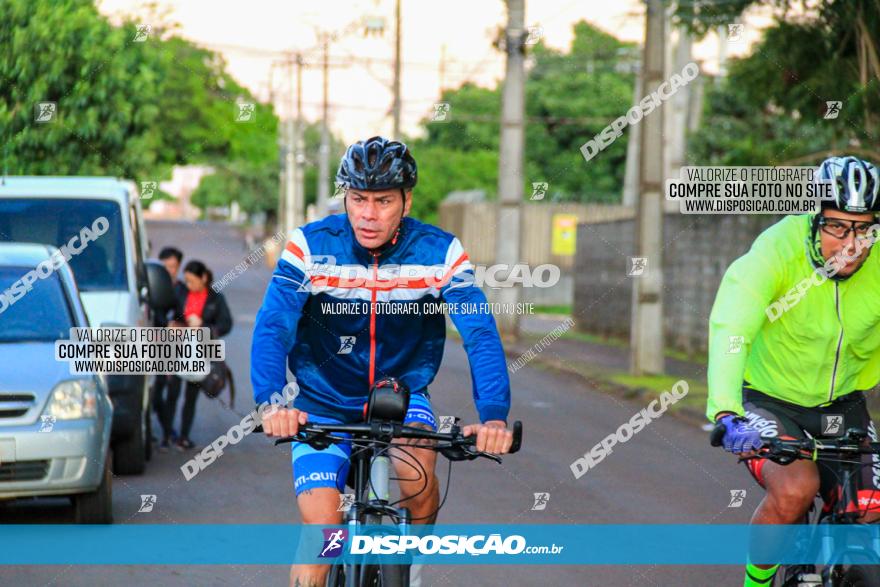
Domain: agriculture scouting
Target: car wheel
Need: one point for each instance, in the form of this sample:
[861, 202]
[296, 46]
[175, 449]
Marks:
[96, 507]
[130, 455]
[148, 445]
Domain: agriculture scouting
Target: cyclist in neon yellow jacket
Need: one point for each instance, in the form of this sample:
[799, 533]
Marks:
[794, 341]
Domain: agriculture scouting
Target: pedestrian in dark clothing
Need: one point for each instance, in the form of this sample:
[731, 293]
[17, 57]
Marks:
[172, 259]
[164, 385]
[200, 307]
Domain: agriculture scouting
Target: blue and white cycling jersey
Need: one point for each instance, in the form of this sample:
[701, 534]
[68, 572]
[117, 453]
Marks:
[342, 316]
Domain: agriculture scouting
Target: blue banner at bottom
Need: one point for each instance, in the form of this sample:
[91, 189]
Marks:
[490, 544]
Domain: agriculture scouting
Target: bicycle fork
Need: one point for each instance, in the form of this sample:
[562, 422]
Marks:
[378, 491]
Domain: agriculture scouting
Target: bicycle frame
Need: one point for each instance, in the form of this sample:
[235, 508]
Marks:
[845, 511]
[842, 456]
[372, 489]
[372, 476]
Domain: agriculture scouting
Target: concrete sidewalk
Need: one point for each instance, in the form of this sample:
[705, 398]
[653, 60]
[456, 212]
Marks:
[603, 366]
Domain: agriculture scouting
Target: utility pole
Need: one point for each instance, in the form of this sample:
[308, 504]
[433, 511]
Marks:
[677, 114]
[634, 142]
[646, 328]
[324, 152]
[290, 156]
[396, 106]
[279, 217]
[282, 179]
[510, 161]
[722, 54]
[442, 69]
[300, 199]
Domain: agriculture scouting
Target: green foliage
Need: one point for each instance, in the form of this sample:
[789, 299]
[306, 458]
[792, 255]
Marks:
[245, 158]
[705, 15]
[472, 122]
[105, 87]
[250, 174]
[570, 97]
[771, 107]
[126, 108]
[442, 170]
[737, 133]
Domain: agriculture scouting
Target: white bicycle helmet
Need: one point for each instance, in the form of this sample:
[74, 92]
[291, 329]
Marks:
[855, 183]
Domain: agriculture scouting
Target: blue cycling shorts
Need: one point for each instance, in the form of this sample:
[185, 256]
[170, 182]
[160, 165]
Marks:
[329, 467]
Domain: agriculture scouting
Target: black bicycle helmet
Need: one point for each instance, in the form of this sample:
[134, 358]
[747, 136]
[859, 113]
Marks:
[377, 164]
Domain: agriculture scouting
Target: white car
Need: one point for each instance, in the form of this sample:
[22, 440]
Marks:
[117, 285]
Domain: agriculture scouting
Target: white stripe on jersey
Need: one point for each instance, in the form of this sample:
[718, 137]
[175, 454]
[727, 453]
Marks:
[299, 239]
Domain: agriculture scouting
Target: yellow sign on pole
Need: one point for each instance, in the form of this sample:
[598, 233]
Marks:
[564, 234]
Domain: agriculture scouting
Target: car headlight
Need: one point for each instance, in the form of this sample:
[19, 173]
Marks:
[73, 399]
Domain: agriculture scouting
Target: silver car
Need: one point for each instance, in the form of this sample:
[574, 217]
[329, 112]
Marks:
[54, 427]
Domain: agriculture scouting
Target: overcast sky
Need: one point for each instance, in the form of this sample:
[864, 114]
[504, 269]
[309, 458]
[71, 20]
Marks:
[360, 95]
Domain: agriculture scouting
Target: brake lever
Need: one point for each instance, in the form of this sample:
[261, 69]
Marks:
[779, 454]
[474, 453]
[316, 440]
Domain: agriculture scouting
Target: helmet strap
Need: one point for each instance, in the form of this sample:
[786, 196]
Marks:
[402, 214]
[814, 246]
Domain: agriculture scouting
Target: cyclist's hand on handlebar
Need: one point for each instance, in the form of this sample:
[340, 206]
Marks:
[739, 435]
[283, 422]
[492, 436]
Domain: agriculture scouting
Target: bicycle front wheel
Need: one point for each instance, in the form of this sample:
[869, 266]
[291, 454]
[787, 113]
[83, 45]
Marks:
[336, 577]
[386, 576]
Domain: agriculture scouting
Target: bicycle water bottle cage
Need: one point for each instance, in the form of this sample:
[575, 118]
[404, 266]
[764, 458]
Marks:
[388, 402]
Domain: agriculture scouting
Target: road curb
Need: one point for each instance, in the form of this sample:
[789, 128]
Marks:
[605, 385]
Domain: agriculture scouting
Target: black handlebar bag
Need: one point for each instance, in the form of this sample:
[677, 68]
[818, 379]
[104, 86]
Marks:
[388, 401]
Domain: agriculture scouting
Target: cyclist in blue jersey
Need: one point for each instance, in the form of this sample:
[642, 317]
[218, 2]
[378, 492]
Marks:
[354, 299]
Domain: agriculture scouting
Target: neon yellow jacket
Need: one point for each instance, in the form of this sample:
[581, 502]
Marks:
[805, 339]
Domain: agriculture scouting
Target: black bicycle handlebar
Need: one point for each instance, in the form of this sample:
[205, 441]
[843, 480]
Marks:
[815, 449]
[785, 451]
[453, 444]
[716, 436]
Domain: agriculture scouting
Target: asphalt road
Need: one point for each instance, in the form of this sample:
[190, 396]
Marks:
[665, 474]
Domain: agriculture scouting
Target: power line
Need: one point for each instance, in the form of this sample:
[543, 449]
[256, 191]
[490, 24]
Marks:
[472, 117]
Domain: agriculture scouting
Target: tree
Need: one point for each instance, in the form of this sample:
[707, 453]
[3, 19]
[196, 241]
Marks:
[570, 97]
[771, 109]
[127, 106]
[250, 174]
[105, 90]
[442, 170]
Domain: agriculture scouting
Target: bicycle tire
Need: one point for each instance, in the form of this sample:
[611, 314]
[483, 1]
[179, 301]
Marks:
[384, 575]
[860, 576]
[336, 576]
[372, 576]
